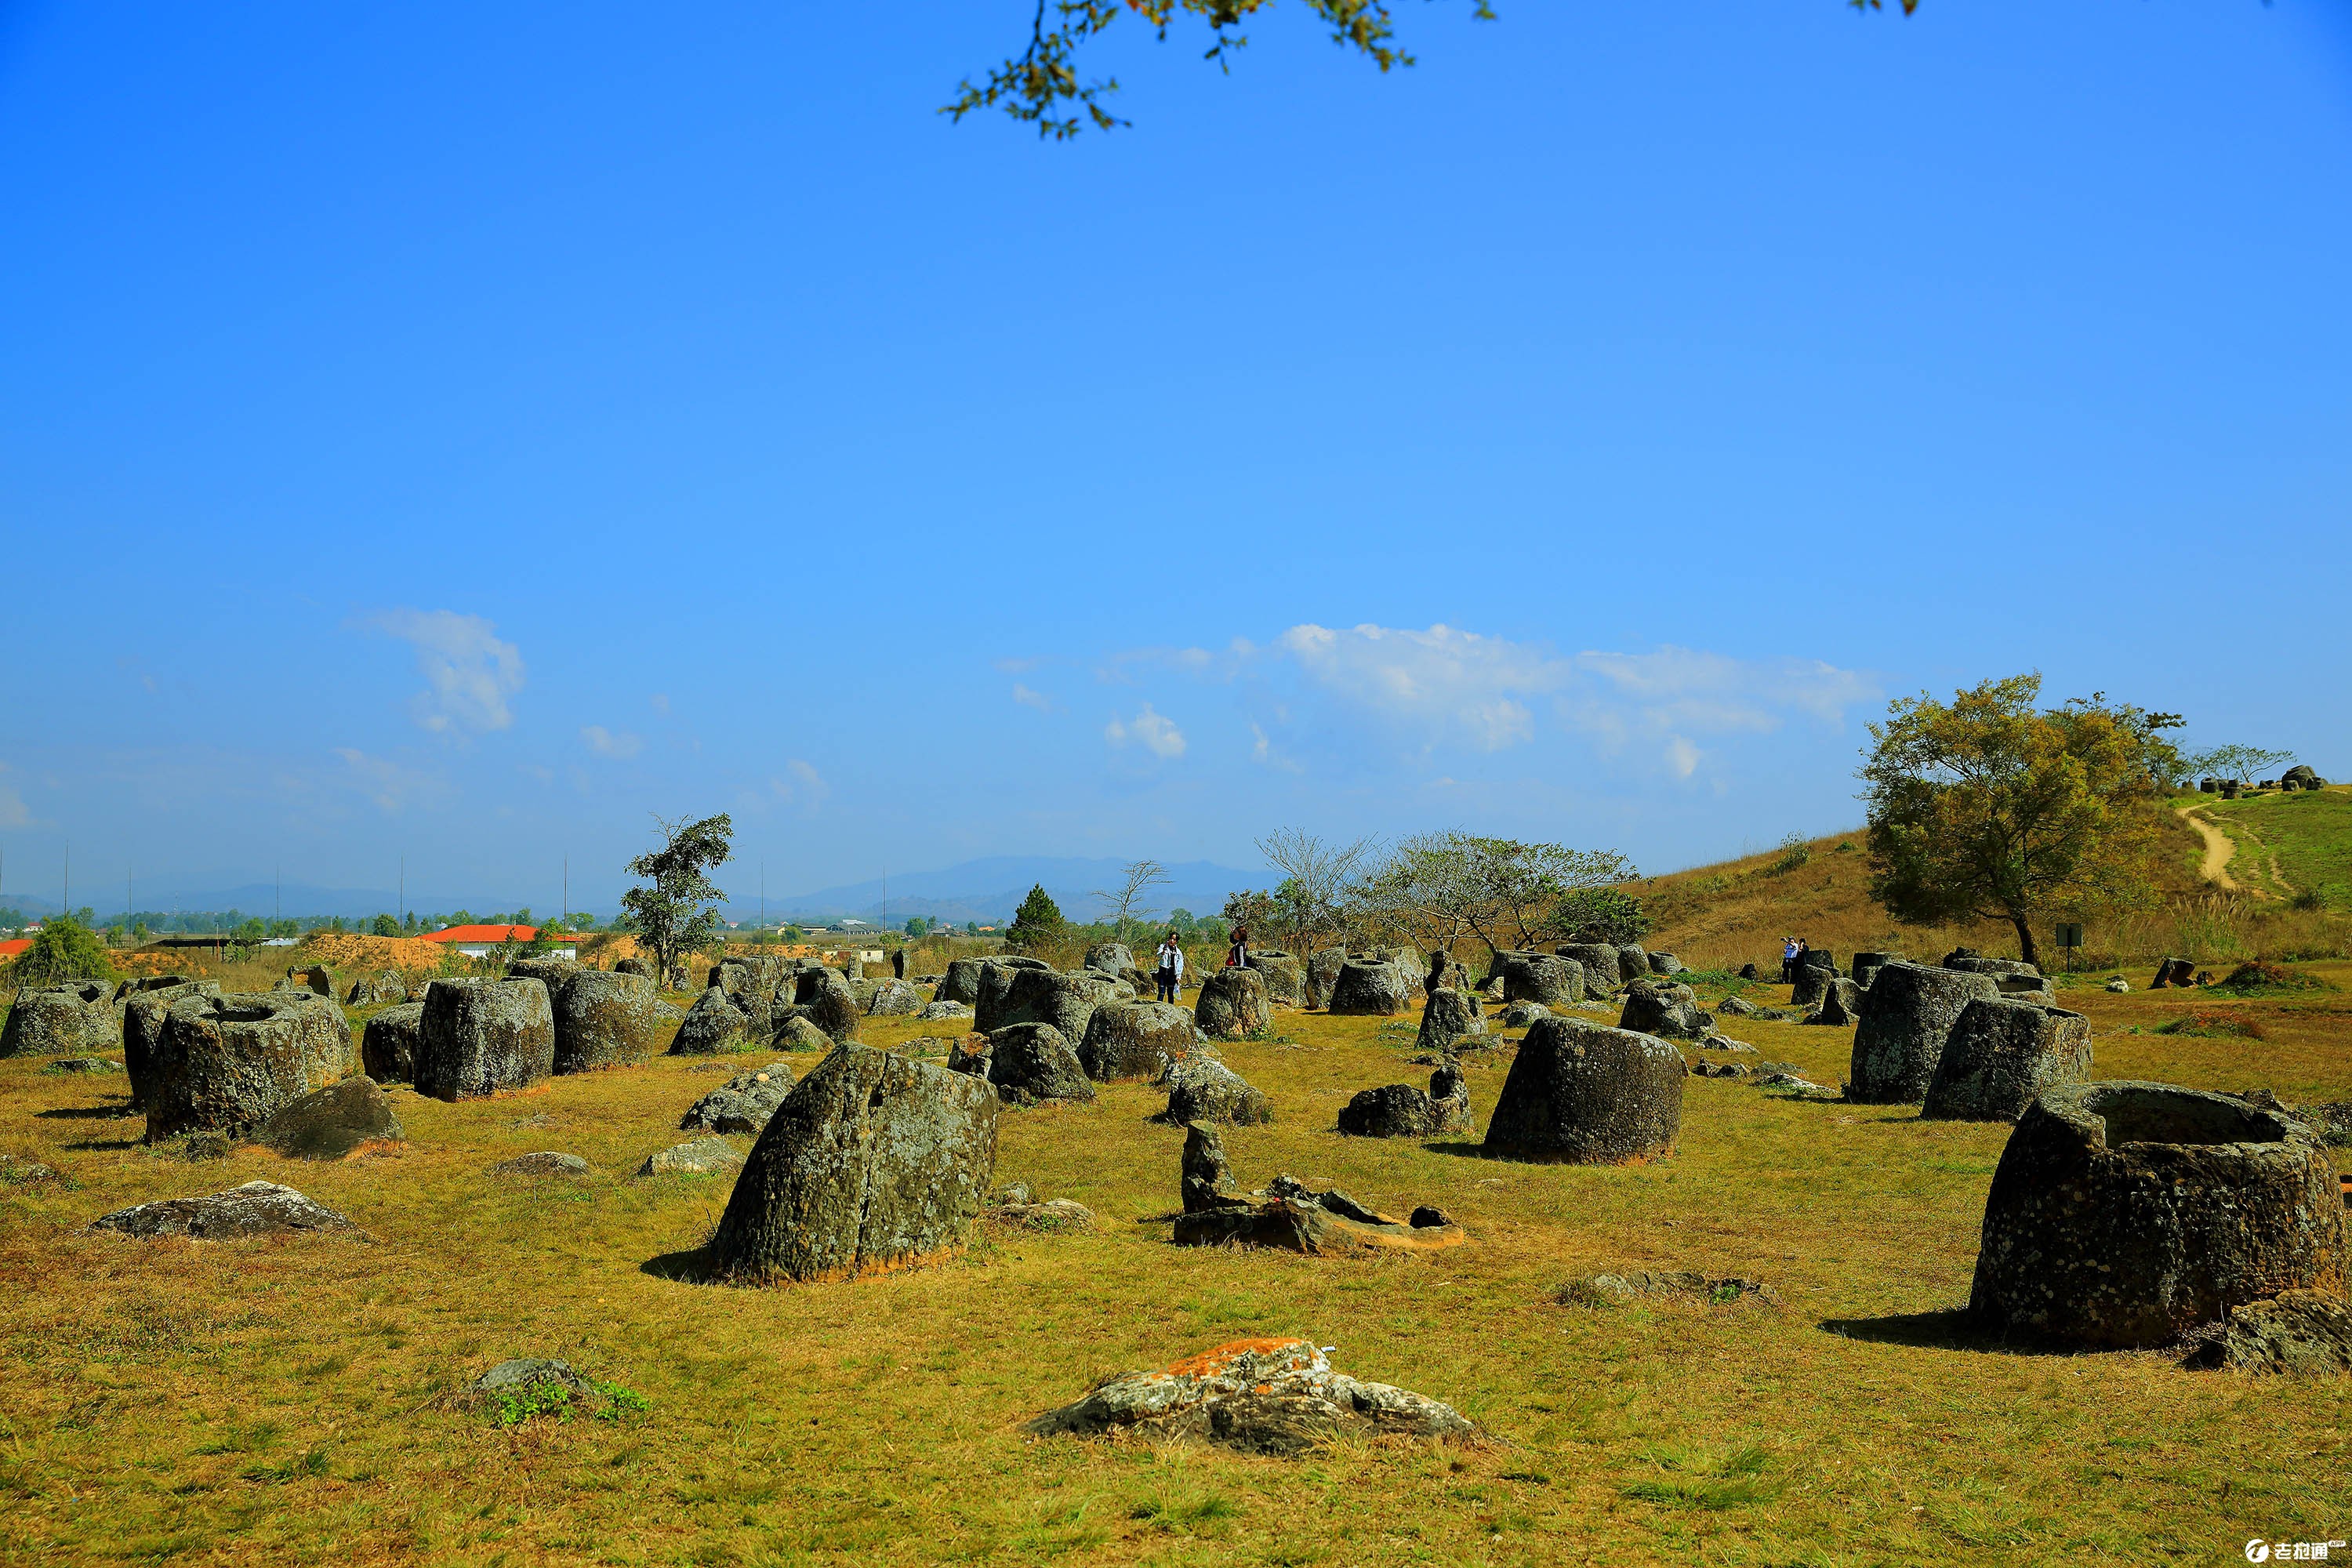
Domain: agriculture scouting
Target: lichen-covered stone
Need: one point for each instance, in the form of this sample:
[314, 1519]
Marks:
[478, 1037]
[1654, 1007]
[1201, 1088]
[604, 1019]
[1321, 972]
[1407, 1111]
[2296, 1333]
[895, 999]
[1207, 1179]
[1026, 995]
[143, 1013]
[1999, 1056]
[1579, 1093]
[824, 998]
[1232, 1005]
[874, 1162]
[1286, 979]
[1906, 1015]
[1841, 1006]
[225, 1063]
[1030, 1064]
[1602, 965]
[960, 982]
[1295, 1218]
[714, 1026]
[1545, 978]
[743, 1104]
[331, 1122]
[257, 1208]
[2125, 1214]
[69, 1018]
[389, 1043]
[1134, 1039]
[1369, 988]
[695, 1157]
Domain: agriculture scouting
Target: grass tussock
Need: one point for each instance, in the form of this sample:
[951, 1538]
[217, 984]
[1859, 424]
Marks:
[2212, 1023]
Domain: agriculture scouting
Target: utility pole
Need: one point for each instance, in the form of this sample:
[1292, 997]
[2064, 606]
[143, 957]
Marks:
[66, 910]
[564, 917]
[763, 892]
[402, 899]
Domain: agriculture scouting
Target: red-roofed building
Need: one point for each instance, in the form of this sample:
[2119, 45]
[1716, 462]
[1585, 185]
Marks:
[9, 949]
[474, 941]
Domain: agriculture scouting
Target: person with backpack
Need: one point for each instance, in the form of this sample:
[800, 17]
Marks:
[1237, 955]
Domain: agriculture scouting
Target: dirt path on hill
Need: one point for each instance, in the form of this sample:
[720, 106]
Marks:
[2218, 850]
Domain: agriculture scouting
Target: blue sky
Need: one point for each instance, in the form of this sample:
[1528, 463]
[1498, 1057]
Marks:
[464, 431]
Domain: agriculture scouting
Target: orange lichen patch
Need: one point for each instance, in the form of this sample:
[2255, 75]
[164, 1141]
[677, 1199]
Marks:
[1221, 1358]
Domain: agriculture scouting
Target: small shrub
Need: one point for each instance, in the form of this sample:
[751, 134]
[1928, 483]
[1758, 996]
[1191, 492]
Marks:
[2214, 1025]
[2309, 901]
[2261, 975]
[1794, 852]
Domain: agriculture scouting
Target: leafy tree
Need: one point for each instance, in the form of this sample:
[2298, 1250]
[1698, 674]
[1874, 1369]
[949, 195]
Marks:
[918, 924]
[384, 925]
[2232, 762]
[1125, 899]
[1037, 922]
[1988, 809]
[676, 911]
[63, 949]
[1508, 894]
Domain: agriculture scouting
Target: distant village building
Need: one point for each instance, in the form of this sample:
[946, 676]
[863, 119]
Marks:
[474, 941]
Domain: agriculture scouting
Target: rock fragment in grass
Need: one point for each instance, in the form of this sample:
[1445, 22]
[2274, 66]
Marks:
[257, 1208]
[742, 1104]
[546, 1163]
[1407, 1111]
[1447, 1018]
[1201, 1088]
[83, 1065]
[1054, 1216]
[695, 1157]
[329, 1123]
[1275, 1396]
[2297, 1333]
[1292, 1217]
[1633, 1286]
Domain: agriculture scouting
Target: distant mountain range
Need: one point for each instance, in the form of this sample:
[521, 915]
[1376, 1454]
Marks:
[989, 890]
[986, 890]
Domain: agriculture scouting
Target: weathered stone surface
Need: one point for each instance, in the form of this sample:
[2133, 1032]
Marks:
[1030, 1064]
[317, 979]
[225, 1063]
[329, 1044]
[1724, 1043]
[478, 1037]
[895, 999]
[2125, 1214]
[1285, 977]
[385, 988]
[548, 971]
[1652, 1007]
[1111, 958]
[1603, 965]
[797, 1034]
[1405, 1111]
[83, 1065]
[1447, 1018]
[1866, 965]
[2000, 1055]
[2028, 988]
[1969, 963]
[934, 1012]
[2296, 1333]
[695, 1157]
[1207, 1179]
[1841, 1006]
[2301, 777]
[1265, 1396]
[1519, 1014]
[1634, 1286]
[1736, 1007]
[70, 1018]
[389, 1043]
[329, 1123]
[1042, 997]
[1293, 1218]
[1321, 972]
[1664, 963]
[142, 1025]
[257, 1208]
[1367, 988]
[602, 1019]
[1906, 1015]
[1632, 962]
[1812, 982]
[1541, 977]
[1201, 1088]
[1058, 1216]
[545, 1163]
[638, 966]
[714, 1026]
[525, 1372]
[1232, 1005]
[1579, 1093]
[960, 982]
[743, 1104]
[874, 1162]
[1134, 1039]
[2120, 986]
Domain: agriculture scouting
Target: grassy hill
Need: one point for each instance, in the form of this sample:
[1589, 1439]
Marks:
[2291, 843]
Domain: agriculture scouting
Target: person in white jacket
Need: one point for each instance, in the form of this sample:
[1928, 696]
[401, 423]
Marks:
[1170, 970]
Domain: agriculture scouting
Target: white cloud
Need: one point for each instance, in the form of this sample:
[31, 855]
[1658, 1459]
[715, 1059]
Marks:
[1442, 677]
[606, 743]
[1709, 691]
[1029, 699]
[1153, 732]
[661, 702]
[470, 671]
[800, 785]
[13, 811]
[1261, 749]
[1683, 757]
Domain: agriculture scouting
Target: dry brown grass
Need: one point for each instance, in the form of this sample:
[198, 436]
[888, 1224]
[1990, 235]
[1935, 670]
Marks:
[274, 1403]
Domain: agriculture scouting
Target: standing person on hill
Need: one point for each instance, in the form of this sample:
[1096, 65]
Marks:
[1790, 948]
[1237, 955]
[1169, 973]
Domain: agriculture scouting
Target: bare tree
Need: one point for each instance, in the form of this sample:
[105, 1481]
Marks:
[1317, 876]
[1136, 879]
[1441, 886]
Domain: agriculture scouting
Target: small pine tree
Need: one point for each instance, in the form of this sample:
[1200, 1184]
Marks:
[1037, 922]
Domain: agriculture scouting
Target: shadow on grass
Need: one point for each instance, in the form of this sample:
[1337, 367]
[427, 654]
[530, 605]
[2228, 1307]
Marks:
[95, 1143]
[87, 1113]
[692, 1267]
[1949, 1328]
[1461, 1149]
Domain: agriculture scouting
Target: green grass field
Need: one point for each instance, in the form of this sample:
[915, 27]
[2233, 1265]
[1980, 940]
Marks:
[286, 1402]
[2293, 842]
